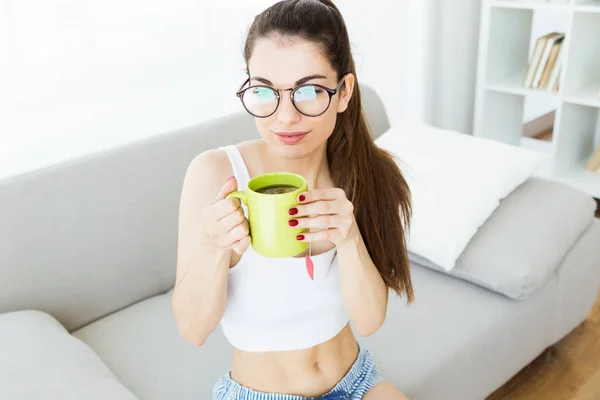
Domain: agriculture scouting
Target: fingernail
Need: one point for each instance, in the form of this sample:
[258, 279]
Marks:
[300, 237]
[293, 211]
[293, 222]
[301, 197]
[230, 178]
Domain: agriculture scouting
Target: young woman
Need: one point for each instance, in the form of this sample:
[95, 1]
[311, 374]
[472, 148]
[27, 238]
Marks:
[291, 335]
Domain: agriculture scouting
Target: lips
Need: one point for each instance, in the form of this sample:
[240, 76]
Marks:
[291, 137]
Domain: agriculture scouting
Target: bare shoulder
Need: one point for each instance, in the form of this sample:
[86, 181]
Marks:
[211, 167]
[213, 161]
[204, 177]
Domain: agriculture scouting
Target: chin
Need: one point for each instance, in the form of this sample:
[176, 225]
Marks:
[291, 151]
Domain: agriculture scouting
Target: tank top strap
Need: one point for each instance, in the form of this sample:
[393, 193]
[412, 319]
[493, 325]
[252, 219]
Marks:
[240, 170]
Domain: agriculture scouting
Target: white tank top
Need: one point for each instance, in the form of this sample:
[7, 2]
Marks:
[272, 304]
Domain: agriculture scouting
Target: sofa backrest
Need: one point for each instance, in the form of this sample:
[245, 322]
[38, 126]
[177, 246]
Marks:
[85, 238]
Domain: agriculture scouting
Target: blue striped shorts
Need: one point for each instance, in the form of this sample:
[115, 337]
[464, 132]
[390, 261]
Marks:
[361, 377]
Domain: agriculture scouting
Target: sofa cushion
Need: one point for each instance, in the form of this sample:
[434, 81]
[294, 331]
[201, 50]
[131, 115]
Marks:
[524, 239]
[454, 329]
[40, 360]
[142, 346]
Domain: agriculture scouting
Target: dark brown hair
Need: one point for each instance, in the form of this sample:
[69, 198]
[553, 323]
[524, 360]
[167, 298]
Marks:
[369, 175]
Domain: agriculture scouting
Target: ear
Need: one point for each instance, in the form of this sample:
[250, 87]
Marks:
[345, 93]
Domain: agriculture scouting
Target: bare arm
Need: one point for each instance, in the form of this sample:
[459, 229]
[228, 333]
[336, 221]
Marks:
[363, 289]
[204, 254]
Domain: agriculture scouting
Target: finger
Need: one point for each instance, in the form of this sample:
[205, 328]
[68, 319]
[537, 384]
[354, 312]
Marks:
[320, 207]
[238, 232]
[241, 245]
[232, 219]
[320, 194]
[320, 222]
[229, 186]
[225, 207]
[316, 236]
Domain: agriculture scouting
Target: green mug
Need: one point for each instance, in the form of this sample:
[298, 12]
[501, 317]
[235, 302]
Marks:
[268, 214]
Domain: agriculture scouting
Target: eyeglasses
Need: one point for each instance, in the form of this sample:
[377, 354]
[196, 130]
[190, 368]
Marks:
[310, 100]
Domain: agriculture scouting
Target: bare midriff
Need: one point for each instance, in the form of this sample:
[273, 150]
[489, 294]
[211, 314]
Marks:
[309, 372]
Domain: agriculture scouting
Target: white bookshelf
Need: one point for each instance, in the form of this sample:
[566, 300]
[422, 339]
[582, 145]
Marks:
[504, 55]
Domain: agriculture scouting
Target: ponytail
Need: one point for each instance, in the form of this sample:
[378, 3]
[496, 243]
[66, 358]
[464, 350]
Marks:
[380, 194]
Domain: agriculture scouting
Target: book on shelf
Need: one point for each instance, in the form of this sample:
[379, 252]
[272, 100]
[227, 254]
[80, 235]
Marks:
[593, 165]
[543, 71]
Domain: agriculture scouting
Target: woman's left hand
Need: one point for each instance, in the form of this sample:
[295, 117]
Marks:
[327, 210]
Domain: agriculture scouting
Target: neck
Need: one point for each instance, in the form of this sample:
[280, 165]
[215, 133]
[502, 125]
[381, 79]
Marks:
[313, 167]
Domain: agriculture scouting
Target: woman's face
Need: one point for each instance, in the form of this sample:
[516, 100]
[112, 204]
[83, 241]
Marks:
[283, 65]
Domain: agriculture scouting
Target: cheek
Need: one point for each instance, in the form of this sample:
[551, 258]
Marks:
[326, 123]
[262, 125]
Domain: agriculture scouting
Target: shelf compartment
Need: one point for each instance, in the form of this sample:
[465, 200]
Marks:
[577, 141]
[511, 46]
[583, 65]
[508, 43]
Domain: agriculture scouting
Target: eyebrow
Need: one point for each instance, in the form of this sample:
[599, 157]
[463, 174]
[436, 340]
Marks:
[298, 82]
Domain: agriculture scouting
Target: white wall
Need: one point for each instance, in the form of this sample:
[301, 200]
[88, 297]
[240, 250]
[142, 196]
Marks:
[86, 75]
[81, 76]
[453, 59]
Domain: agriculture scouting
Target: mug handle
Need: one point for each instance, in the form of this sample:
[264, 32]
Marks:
[238, 194]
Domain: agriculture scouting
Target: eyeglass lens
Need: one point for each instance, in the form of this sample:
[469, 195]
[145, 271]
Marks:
[308, 99]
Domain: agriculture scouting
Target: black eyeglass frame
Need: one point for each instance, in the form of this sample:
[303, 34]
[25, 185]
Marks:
[331, 92]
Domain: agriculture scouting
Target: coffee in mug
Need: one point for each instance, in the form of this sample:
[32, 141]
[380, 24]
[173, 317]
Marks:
[277, 189]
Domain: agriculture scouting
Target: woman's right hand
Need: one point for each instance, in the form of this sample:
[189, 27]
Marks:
[224, 220]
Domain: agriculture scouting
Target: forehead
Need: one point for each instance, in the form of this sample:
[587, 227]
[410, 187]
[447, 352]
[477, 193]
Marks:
[285, 61]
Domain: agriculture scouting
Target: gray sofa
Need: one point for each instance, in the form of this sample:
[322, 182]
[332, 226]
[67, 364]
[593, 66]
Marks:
[87, 263]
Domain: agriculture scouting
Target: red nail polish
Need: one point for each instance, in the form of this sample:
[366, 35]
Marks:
[293, 222]
[293, 211]
[301, 197]
[300, 237]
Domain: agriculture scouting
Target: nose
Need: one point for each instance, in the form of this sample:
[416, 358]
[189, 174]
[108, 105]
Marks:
[286, 112]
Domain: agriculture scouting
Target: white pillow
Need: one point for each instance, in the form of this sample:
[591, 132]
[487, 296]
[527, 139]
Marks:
[457, 181]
